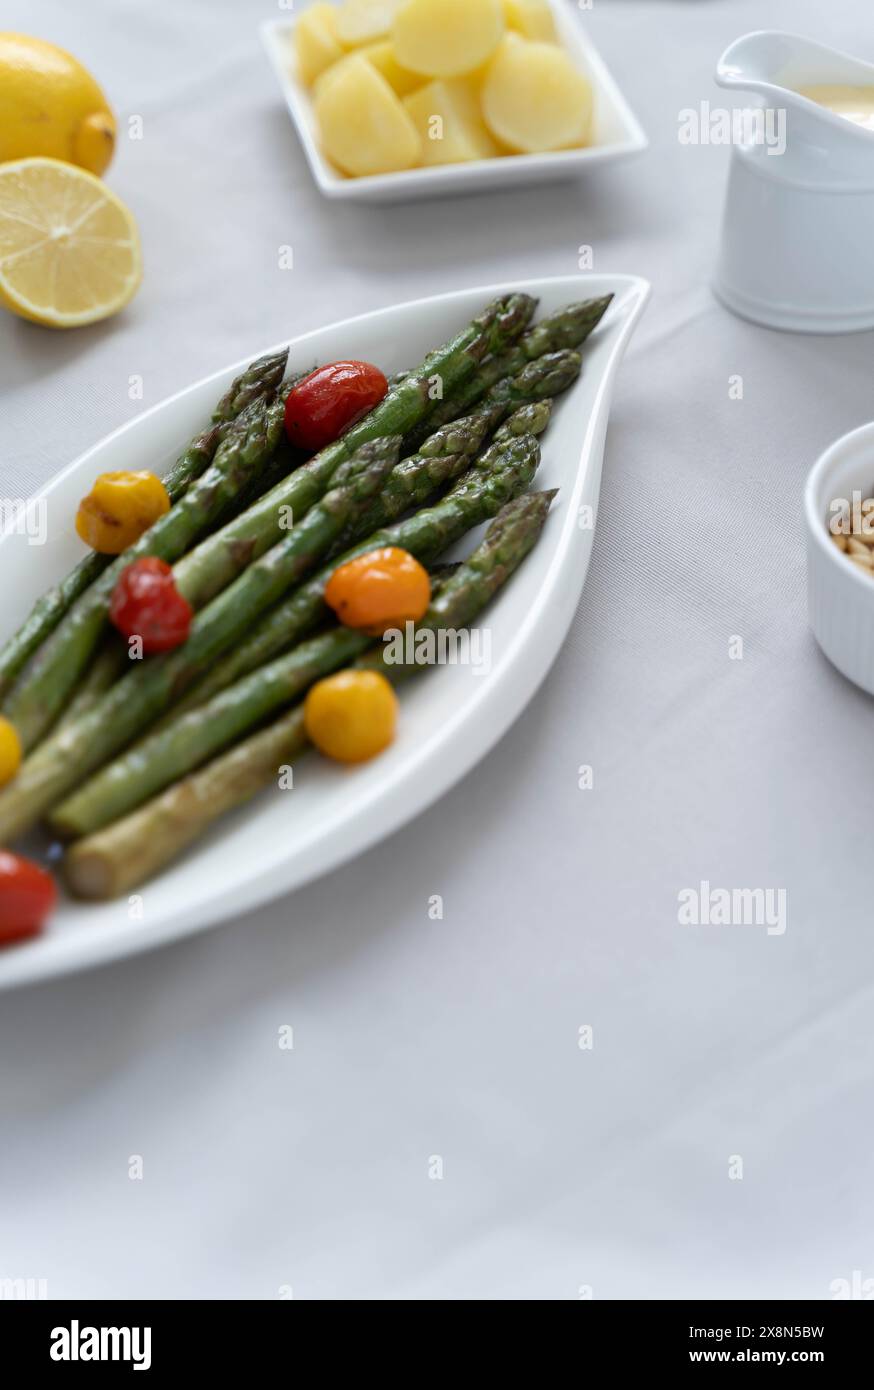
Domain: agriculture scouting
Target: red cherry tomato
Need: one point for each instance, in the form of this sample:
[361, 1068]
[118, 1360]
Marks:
[331, 399]
[27, 896]
[146, 604]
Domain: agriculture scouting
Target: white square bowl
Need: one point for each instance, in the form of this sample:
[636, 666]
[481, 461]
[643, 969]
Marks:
[617, 131]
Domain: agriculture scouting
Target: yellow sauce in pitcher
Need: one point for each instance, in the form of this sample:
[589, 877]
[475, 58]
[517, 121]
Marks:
[855, 104]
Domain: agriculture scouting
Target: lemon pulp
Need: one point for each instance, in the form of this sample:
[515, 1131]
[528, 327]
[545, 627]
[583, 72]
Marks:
[69, 248]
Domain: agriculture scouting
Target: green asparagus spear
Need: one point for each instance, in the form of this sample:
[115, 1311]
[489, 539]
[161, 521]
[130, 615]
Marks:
[257, 380]
[442, 458]
[463, 508]
[145, 692]
[440, 574]
[220, 558]
[538, 382]
[503, 472]
[464, 594]
[412, 482]
[567, 328]
[186, 742]
[127, 853]
[285, 459]
[547, 376]
[108, 666]
[190, 739]
[121, 856]
[409, 484]
[54, 672]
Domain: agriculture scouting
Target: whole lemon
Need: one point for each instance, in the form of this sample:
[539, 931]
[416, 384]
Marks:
[50, 105]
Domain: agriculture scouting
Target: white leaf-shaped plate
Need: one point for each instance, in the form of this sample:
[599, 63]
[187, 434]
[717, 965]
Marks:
[450, 716]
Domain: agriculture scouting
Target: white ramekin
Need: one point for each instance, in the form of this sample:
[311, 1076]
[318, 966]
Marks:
[840, 595]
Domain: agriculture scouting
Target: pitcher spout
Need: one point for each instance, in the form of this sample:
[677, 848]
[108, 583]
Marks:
[821, 96]
[798, 230]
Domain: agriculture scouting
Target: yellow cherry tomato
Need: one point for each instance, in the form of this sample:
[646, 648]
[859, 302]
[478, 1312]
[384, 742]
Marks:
[10, 751]
[119, 509]
[382, 589]
[351, 716]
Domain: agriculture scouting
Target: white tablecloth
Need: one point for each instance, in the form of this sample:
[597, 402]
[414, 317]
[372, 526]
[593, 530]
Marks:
[611, 1168]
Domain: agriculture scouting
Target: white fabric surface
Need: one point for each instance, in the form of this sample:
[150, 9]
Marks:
[564, 1168]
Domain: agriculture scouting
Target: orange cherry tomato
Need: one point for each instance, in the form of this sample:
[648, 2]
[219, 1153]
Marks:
[27, 896]
[382, 589]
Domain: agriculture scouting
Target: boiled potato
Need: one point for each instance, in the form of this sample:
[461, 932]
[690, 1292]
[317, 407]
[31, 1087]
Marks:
[531, 18]
[316, 42]
[446, 38]
[450, 125]
[399, 78]
[364, 127]
[534, 99]
[364, 21]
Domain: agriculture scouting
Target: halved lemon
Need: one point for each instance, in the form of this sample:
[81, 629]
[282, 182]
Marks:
[69, 249]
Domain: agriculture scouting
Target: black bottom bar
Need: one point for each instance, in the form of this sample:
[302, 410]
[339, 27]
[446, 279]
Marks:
[154, 1338]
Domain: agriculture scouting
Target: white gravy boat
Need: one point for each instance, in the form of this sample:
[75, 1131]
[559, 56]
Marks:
[798, 231]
